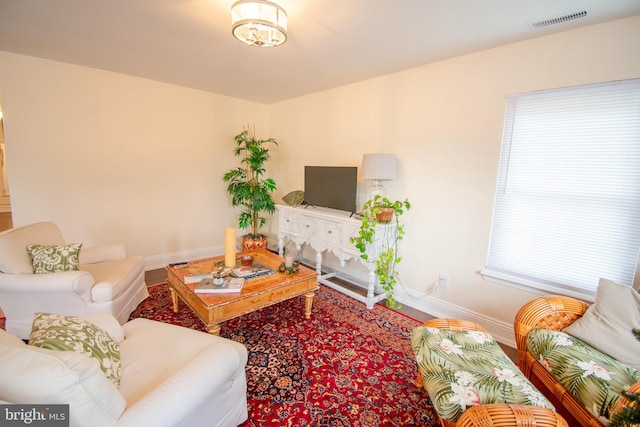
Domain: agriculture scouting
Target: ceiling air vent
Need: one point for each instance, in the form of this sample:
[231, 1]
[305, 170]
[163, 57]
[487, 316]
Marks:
[559, 19]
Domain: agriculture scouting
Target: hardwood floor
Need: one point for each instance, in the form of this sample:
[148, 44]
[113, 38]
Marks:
[6, 221]
[153, 277]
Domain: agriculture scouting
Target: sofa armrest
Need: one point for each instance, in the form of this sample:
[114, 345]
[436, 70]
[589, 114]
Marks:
[554, 312]
[22, 295]
[101, 253]
[455, 325]
[206, 376]
[79, 282]
[507, 415]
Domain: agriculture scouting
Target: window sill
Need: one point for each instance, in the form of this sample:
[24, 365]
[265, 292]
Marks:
[536, 287]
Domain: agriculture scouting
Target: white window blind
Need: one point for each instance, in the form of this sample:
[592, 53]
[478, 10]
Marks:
[567, 204]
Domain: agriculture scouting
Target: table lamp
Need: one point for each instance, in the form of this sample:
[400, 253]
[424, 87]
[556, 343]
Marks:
[378, 167]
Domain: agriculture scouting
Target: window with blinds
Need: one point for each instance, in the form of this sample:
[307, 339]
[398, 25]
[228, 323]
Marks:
[567, 204]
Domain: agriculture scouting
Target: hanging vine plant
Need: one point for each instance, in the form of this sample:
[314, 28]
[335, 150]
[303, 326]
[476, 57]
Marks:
[374, 212]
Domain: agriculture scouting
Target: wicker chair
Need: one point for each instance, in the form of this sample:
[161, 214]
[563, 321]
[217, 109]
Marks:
[498, 414]
[553, 313]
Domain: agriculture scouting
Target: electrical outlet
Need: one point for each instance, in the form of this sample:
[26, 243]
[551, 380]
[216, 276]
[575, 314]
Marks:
[443, 281]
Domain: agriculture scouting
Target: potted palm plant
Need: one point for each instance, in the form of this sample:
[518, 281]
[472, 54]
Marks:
[249, 188]
[375, 212]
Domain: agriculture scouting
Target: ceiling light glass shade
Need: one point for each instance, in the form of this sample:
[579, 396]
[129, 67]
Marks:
[259, 23]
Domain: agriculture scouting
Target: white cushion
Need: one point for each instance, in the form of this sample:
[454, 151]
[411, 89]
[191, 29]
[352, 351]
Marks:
[607, 324]
[33, 375]
[108, 323]
[14, 257]
[10, 339]
[100, 253]
[175, 376]
[146, 338]
[113, 278]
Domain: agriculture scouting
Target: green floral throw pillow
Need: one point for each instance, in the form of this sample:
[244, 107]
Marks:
[54, 259]
[70, 333]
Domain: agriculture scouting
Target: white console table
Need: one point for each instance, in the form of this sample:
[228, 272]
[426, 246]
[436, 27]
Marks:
[326, 230]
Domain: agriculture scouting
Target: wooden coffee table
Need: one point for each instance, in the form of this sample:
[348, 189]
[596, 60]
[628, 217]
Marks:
[214, 309]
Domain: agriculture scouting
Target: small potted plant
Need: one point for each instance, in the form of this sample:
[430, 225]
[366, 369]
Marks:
[249, 188]
[386, 239]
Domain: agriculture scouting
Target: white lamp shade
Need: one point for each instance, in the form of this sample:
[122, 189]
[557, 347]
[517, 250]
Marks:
[379, 166]
[259, 23]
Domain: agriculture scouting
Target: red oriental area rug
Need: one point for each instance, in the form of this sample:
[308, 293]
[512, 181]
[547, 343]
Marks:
[346, 366]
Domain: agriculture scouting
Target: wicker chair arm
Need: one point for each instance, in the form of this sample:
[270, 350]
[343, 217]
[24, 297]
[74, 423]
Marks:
[635, 388]
[554, 312]
[455, 325]
[505, 415]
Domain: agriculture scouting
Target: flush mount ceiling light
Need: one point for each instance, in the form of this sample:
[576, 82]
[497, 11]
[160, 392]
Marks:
[259, 23]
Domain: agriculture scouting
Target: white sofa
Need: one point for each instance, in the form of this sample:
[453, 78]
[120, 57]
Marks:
[170, 376]
[107, 280]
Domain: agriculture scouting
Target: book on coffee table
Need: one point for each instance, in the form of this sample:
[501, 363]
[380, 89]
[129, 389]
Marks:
[251, 271]
[197, 277]
[230, 285]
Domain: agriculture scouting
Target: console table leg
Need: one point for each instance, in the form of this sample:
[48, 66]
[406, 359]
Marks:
[371, 288]
[308, 304]
[281, 247]
[319, 262]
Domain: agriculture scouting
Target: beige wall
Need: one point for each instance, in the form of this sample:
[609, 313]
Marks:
[117, 158]
[444, 123]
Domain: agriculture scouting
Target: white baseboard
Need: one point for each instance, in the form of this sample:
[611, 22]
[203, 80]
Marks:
[161, 261]
[501, 331]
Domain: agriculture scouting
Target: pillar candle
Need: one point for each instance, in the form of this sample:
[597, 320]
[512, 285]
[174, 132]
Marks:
[230, 247]
[288, 261]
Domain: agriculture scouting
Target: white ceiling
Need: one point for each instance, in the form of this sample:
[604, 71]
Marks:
[331, 42]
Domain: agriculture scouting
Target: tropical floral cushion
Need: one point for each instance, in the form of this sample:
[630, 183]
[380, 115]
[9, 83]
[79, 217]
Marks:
[463, 369]
[592, 377]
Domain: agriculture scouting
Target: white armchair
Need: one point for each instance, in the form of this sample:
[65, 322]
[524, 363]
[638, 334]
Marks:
[170, 376]
[107, 280]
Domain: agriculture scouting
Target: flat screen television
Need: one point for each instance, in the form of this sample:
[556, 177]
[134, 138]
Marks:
[332, 187]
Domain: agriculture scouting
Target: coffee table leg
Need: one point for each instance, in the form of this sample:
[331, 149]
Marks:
[214, 328]
[174, 300]
[308, 304]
